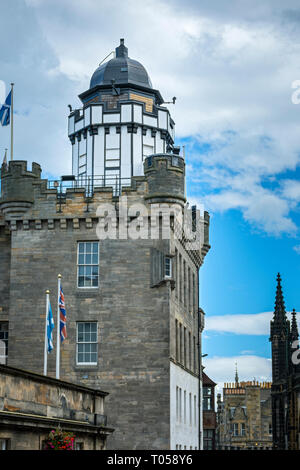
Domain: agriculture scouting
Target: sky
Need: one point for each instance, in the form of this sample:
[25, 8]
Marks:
[235, 70]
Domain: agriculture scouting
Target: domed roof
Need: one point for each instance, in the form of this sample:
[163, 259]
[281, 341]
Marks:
[121, 70]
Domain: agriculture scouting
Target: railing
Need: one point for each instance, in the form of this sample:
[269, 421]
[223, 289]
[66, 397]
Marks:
[89, 183]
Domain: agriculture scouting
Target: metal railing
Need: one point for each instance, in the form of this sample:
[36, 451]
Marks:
[89, 184]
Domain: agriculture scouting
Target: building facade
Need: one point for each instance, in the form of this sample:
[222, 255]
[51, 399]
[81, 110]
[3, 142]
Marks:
[244, 416]
[130, 274]
[209, 413]
[31, 405]
[285, 376]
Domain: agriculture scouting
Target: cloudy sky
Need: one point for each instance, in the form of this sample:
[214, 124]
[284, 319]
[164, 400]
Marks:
[233, 67]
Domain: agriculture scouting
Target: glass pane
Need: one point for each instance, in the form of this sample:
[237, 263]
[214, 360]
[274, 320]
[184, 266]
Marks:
[95, 247]
[88, 259]
[87, 282]
[94, 357]
[81, 271]
[81, 281]
[95, 281]
[87, 327]
[80, 357]
[81, 247]
[94, 327]
[88, 247]
[94, 347]
[95, 270]
[95, 259]
[80, 348]
[81, 259]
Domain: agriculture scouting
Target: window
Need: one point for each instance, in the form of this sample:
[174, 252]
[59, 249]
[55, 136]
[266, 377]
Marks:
[79, 446]
[243, 429]
[270, 428]
[87, 343]
[208, 437]
[4, 444]
[3, 342]
[168, 266]
[235, 429]
[88, 264]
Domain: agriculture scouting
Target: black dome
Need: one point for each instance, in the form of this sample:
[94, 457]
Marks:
[122, 70]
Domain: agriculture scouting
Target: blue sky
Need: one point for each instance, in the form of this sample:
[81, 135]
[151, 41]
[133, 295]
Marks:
[232, 66]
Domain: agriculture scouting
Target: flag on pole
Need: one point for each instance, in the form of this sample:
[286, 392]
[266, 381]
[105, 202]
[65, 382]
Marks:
[50, 327]
[5, 111]
[63, 318]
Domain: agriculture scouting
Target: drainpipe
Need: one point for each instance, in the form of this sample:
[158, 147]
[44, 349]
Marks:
[200, 420]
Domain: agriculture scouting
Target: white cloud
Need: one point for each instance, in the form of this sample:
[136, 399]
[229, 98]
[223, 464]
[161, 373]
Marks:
[250, 367]
[230, 68]
[246, 324]
[297, 249]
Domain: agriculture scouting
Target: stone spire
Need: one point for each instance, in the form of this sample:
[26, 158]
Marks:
[279, 311]
[294, 326]
[236, 375]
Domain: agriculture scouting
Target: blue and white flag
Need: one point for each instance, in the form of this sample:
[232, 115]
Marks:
[50, 327]
[5, 111]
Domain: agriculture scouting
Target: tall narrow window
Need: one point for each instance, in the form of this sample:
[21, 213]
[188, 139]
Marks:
[190, 408]
[176, 272]
[3, 342]
[180, 405]
[180, 343]
[184, 346]
[194, 294]
[177, 405]
[184, 406]
[195, 410]
[168, 267]
[190, 351]
[88, 264]
[176, 341]
[184, 282]
[180, 278]
[87, 343]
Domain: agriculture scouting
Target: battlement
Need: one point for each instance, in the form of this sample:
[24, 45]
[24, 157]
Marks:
[240, 387]
[18, 168]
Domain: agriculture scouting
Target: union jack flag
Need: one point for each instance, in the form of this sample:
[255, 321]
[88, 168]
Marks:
[63, 318]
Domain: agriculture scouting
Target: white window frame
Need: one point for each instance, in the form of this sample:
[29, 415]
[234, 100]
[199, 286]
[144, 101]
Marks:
[78, 265]
[86, 342]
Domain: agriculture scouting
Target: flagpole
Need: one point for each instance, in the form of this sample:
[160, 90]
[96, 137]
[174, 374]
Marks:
[58, 329]
[12, 123]
[46, 336]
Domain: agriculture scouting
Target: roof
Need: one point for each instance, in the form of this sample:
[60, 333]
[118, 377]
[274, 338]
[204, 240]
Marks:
[207, 380]
[121, 70]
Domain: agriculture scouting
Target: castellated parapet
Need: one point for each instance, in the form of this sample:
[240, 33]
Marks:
[17, 190]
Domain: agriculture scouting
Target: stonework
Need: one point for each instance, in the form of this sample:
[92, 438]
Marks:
[244, 417]
[135, 322]
[31, 405]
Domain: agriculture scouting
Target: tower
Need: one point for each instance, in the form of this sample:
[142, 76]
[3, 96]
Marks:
[285, 419]
[131, 293]
[121, 122]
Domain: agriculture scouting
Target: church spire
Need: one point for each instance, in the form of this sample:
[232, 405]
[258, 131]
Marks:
[279, 311]
[294, 327]
[236, 375]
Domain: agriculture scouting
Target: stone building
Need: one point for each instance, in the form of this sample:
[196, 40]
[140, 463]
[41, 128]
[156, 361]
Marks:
[285, 376]
[130, 278]
[244, 416]
[209, 413]
[31, 405]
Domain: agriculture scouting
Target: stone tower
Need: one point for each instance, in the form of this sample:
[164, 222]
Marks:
[285, 376]
[130, 273]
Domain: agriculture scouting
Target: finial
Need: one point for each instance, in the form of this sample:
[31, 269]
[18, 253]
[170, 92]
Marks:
[122, 50]
[47, 291]
[59, 276]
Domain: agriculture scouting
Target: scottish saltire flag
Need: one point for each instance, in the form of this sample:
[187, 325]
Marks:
[5, 111]
[63, 318]
[50, 327]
